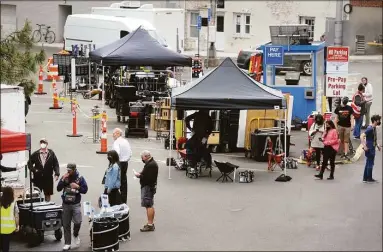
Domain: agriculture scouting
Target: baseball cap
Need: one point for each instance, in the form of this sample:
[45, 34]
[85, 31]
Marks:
[43, 140]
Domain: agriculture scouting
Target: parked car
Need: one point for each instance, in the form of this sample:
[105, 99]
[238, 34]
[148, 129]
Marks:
[300, 63]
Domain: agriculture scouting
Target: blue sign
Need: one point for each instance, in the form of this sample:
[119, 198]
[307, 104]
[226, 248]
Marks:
[208, 14]
[274, 55]
[199, 22]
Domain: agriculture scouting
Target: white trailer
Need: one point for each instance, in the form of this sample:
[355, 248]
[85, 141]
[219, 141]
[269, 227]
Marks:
[13, 118]
[170, 23]
[101, 30]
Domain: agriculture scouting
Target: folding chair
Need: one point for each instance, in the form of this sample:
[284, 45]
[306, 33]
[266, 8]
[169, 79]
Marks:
[226, 169]
[274, 159]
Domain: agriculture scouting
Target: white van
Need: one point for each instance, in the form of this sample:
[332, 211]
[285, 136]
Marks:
[102, 30]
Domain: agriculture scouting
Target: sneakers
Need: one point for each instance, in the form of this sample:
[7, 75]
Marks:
[319, 176]
[76, 241]
[330, 178]
[66, 247]
[148, 228]
[372, 181]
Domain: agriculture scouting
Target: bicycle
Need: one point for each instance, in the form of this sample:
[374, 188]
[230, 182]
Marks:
[49, 36]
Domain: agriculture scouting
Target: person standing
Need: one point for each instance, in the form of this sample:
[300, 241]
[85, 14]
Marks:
[358, 106]
[344, 122]
[316, 131]
[113, 179]
[370, 142]
[9, 216]
[331, 146]
[368, 98]
[44, 164]
[148, 180]
[72, 185]
[124, 151]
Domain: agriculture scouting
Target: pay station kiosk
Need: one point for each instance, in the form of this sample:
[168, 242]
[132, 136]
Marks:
[294, 65]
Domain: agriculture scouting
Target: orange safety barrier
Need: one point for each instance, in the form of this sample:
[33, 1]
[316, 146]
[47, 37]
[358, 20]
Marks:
[104, 137]
[53, 70]
[55, 96]
[40, 88]
[74, 120]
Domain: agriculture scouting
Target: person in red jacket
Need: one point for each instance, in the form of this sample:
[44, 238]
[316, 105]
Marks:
[331, 146]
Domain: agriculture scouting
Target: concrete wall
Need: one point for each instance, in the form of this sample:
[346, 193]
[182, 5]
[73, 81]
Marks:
[47, 12]
[365, 21]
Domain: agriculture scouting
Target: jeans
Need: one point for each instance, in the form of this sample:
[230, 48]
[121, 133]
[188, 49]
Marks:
[71, 213]
[124, 182]
[358, 126]
[318, 153]
[329, 154]
[370, 158]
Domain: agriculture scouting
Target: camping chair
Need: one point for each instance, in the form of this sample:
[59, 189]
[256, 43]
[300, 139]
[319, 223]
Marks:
[226, 169]
[274, 159]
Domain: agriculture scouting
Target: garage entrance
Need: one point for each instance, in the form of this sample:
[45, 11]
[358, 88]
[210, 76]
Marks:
[64, 12]
[8, 19]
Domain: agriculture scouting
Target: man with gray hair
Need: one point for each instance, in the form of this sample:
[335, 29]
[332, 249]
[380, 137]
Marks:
[122, 147]
[148, 180]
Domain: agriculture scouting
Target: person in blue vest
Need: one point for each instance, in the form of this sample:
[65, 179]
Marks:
[370, 143]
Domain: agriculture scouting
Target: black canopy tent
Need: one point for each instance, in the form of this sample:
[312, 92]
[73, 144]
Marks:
[138, 48]
[226, 87]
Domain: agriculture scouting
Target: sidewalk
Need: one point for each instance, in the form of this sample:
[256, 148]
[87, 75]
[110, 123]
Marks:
[223, 55]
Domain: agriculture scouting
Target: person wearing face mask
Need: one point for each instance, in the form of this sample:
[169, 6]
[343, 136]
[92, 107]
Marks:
[370, 143]
[368, 98]
[148, 180]
[44, 164]
[113, 179]
[124, 151]
[316, 132]
[331, 145]
[72, 185]
[344, 122]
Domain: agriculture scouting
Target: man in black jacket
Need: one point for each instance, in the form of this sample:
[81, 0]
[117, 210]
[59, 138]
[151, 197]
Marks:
[148, 180]
[44, 164]
[72, 185]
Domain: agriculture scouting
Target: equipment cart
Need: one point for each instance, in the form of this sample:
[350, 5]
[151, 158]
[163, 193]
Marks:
[138, 122]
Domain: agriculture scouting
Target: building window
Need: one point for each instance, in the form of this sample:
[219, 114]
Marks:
[237, 20]
[220, 4]
[220, 24]
[310, 21]
[193, 24]
[242, 24]
[247, 24]
[204, 22]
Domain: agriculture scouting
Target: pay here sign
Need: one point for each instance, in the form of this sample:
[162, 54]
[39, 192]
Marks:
[336, 85]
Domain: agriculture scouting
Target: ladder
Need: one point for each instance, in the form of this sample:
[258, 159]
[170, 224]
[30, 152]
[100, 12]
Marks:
[360, 44]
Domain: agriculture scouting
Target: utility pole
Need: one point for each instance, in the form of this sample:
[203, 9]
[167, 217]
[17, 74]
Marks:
[339, 24]
[211, 46]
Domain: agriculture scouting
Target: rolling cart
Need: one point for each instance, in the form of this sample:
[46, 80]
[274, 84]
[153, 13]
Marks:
[38, 217]
[138, 120]
[124, 95]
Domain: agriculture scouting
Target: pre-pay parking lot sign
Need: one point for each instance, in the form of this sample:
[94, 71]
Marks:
[274, 55]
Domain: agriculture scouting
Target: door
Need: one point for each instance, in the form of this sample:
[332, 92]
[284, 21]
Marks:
[220, 35]
[64, 12]
[8, 19]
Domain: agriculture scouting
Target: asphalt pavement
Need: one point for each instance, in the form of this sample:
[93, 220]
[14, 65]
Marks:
[202, 214]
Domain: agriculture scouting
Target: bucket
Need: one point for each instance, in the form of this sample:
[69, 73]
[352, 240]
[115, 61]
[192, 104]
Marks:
[104, 234]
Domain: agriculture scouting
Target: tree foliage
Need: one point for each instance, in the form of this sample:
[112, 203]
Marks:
[18, 62]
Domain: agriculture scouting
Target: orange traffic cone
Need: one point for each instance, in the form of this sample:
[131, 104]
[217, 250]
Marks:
[104, 137]
[40, 88]
[55, 96]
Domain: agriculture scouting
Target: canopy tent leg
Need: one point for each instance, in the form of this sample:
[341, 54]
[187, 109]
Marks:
[103, 87]
[285, 143]
[170, 140]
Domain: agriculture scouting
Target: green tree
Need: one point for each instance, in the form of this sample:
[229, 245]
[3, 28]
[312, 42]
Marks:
[19, 63]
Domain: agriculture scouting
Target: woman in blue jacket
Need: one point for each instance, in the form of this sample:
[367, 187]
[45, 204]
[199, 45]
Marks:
[113, 179]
